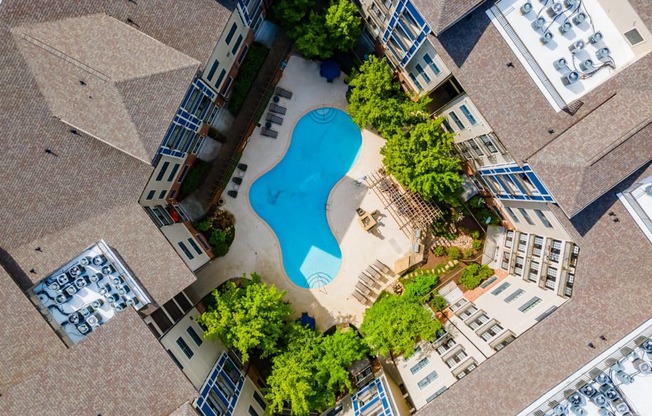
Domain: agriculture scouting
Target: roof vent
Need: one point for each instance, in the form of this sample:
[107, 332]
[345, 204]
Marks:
[555, 9]
[576, 46]
[595, 38]
[570, 78]
[603, 54]
[586, 65]
[570, 3]
[539, 23]
[560, 64]
[547, 37]
[565, 27]
[579, 18]
[526, 7]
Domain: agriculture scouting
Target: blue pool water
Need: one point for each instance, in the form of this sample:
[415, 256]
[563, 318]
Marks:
[292, 197]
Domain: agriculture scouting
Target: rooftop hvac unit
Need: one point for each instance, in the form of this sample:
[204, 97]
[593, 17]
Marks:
[560, 410]
[539, 23]
[547, 37]
[578, 411]
[624, 378]
[602, 379]
[576, 399]
[605, 412]
[565, 27]
[610, 392]
[647, 345]
[643, 366]
[526, 7]
[588, 390]
[621, 407]
[599, 400]
[576, 46]
[603, 54]
[596, 37]
[570, 3]
[586, 65]
[648, 191]
[560, 64]
[570, 78]
[555, 9]
[579, 18]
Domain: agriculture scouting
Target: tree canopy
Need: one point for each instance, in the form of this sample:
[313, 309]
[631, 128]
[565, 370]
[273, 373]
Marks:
[312, 369]
[247, 315]
[474, 274]
[394, 324]
[423, 161]
[343, 24]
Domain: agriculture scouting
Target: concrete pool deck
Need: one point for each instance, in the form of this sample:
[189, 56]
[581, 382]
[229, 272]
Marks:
[256, 248]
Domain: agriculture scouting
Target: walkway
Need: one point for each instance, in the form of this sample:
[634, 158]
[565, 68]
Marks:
[224, 163]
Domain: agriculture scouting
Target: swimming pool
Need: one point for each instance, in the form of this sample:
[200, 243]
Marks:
[292, 197]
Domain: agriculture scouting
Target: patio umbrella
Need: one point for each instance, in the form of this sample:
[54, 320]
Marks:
[329, 70]
[307, 320]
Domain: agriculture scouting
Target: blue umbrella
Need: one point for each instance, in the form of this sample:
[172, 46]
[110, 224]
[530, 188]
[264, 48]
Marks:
[329, 70]
[307, 320]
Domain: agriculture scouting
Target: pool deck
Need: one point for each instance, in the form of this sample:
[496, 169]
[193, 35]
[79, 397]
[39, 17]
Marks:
[256, 248]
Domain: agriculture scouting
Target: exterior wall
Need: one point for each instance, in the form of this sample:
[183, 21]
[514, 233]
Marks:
[163, 178]
[426, 70]
[469, 126]
[253, 12]
[226, 52]
[446, 376]
[246, 402]
[544, 222]
[625, 18]
[196, 368]
[179, 235]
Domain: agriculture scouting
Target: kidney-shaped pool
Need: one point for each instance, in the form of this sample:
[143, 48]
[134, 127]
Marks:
[292, 197]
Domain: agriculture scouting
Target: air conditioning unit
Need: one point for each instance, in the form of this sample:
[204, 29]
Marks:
[539, 23]
[576, 399]
[596, 37]
[643, 366]
[547, 37]
[621, 407]
[570, 3]
[565, 27]
[610, 392]
[578, 411]
[570, 78]
[586, 65]
[605, 412]
[526, 7]
[647, 345]
[599, 400]
[602, 379]
[560, 64]
[560, 410]
[588, 390]
[555, 9]
[576, 46]
[624, 378]
[579, 18]
[603, 54]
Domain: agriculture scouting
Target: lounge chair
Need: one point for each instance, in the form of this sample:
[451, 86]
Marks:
[362, 288]
[360, 297]
[237, 180]
[232, 194]
[269, 133]
[283, 93]
[278, 109]
[242, 167]
[382, 267]
[373, 272]
[274, 118]
[365, 279]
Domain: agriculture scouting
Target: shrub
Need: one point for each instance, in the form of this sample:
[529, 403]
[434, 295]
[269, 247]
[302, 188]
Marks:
[477, 245]
[204, 225]
[438, 303]
[454, 253]
[246, 76]
[219, 242]
[421, 286]
[474, 274]
[194, 177]
[439, 251]
[475, 234]
[468, 253]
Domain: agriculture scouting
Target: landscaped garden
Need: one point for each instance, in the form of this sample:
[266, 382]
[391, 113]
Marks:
[219, 230]
[196, 174]
[246, 76]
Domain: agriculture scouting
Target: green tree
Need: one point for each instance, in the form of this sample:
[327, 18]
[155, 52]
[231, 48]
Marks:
[312, 40]
[312, 369]
[394, 324]
[474, 274]
[343, 24]
[421, 287]
[438, 303]
[246, 316]
[290, 13]
[423, 161]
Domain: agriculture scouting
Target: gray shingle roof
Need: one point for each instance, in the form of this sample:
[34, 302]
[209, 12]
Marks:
[441, 14]
[522, 118]
[610, 297]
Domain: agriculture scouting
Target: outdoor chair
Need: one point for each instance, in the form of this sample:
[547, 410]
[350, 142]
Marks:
[283, 93]
[242, 167]
[237, 180]
[274, 118]
[382, 267]
[232, 194]
[360, 297]
[278, 109]
[269, 133]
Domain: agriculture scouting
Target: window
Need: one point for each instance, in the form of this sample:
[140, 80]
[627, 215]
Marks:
[418, 366]
[509, 238]
[497, 291]
[633, 37]
[447, 125]
[173, 172]
[185, 250]
[185, 348]
[173, 193]
[252, 412]
[436, 394]
[431, 64]
[478, 322]
[162, 171]
[456, 119]
[184, 171]
[229, 36]
[518, 266]
[526, 216]
[195, 246]
[427, 380]
[175, 359]
[468, 115]
[457, 358]
[220, 78]
[468, 312]
[475, 147]
[194, 335]
[491, 332]
[441, 350]
[514, 295]
[236, 45]
[489, 144]
[534, 271]
[530, 304]
[421, 72]
[150, 195]
[538, 246]
[260, 400]
[212, 70]
[464, 150]
[522, 242]
[415, 82]
[512, 214]
[504, 343]
[543, 218]
[162, 194]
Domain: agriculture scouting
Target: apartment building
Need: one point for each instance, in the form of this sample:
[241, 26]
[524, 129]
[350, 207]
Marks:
[561, 89]
[89, 90]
